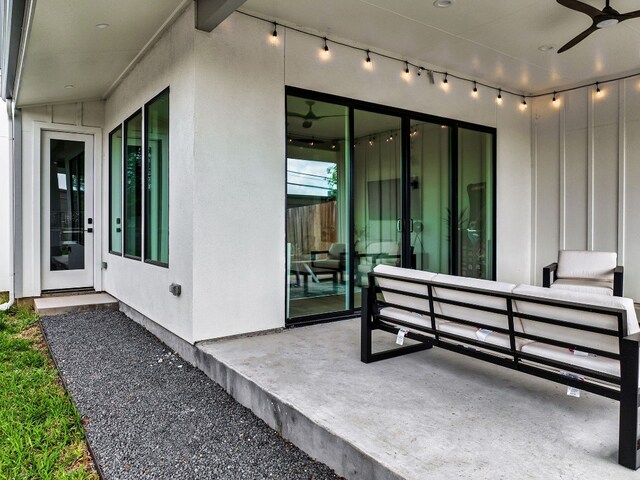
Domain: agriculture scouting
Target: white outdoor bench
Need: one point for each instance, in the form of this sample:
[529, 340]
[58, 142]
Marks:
[586, 341]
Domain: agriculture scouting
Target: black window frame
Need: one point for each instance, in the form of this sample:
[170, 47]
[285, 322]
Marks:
[111, 134]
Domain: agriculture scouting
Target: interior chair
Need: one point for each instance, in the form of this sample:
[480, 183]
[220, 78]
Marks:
[376, 253]
[585, 271]
[333, 260]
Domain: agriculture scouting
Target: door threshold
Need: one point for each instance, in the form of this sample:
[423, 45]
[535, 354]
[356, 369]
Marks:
[67, 291]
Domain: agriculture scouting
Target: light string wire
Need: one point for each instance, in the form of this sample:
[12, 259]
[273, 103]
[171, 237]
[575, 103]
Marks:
[368, 52]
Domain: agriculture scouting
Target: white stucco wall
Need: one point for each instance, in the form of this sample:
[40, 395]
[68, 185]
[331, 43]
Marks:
[145, 287]
[5, 202]
[586, 171]
[239, 204]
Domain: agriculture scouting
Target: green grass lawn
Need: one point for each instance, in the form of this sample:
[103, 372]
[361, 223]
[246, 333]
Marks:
[41, 435]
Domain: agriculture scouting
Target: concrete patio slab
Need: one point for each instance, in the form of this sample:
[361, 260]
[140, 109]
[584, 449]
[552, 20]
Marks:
[432, 414]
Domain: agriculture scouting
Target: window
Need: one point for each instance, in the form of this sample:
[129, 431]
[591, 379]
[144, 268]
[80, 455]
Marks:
[156, 233]
[139, 184]
[115, 191]
[133, 187]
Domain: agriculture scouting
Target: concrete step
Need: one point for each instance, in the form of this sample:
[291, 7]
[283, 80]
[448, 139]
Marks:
[47, 306]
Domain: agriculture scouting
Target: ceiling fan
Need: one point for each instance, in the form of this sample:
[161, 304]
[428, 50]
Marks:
[607, 17]
[309, 117]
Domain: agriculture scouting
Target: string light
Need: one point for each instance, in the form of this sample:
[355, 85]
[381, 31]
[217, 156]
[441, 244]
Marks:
[445, 81]
[475, 89]
[554, 97]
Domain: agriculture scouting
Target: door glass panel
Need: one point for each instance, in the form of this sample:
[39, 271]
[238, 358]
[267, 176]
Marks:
[430, 196]
[475, 203]
[317, 207]
[66, 205]
[377, 193]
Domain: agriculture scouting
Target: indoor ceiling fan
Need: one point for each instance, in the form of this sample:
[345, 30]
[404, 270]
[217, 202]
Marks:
[607, 17]
[309, 117]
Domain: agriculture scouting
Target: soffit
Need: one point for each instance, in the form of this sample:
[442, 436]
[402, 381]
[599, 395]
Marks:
[66, 48]
[491, 40]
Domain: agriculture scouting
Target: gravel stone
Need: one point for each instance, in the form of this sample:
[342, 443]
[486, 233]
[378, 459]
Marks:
[151, 415]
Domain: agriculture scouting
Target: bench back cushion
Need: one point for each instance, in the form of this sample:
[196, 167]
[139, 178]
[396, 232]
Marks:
[586, 264]
[422, 305]
[484, 299]
[578, 317]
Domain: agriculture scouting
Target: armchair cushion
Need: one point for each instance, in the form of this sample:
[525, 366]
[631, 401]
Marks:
[587, 264]
[583, 285]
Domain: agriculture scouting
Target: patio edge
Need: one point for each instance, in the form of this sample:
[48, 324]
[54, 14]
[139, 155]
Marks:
[315, 440]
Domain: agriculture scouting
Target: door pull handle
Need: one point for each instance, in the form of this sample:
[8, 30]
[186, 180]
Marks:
[399, 225]
[89, 230]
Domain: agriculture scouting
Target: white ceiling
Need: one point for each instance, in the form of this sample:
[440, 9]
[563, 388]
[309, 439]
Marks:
[66, 48]
[492, 40]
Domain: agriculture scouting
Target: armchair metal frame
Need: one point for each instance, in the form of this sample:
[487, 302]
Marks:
[550, 275]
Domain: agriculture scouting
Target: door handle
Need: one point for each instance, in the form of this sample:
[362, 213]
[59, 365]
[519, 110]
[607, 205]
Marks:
[411, 224]
[89, 230]
[399, 225]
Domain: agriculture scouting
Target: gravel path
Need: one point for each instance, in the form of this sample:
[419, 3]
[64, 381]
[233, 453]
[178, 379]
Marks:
[151, 415]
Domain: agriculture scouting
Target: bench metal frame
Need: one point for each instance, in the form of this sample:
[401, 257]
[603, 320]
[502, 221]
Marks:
[623, 388]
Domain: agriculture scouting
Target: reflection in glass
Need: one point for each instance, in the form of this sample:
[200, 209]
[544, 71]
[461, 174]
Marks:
[157, 181]
[475, 204]
[317, 207]
[115, 194]
[133, 187]
[67, 205]
[378, 192]
[430, 196]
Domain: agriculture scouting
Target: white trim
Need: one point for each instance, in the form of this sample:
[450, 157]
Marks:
[622, 168]
[152, 41]
[24, 41]
[563, 174]
[534, 196]
[38, 129]
[590, 170]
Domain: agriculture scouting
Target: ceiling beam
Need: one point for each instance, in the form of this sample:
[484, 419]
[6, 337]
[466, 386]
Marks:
[211, 13]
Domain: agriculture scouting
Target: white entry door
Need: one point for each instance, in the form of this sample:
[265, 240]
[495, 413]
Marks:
[67, 210]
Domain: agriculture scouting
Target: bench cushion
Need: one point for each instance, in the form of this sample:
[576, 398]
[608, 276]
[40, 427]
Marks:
[493, 338]
[409, 317]
[578, 317]
[472, 314]
[599, 364]
[405, 300]
[587, 264]
[583, 285]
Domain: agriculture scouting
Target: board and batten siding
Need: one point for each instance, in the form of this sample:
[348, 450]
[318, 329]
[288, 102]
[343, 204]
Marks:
[586, 169]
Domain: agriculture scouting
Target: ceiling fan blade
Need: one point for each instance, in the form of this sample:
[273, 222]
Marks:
[294, 114]
[578, 39]
[630, 15]
[580, 7]
[329, 116]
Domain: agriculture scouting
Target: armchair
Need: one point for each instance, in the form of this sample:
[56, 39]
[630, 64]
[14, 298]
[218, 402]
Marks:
[333, 260]
[376, 253]
[585, 271]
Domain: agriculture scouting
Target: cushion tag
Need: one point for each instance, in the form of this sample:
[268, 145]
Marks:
[483, 333]
[400, 338]
[578, 353]
[573, 392]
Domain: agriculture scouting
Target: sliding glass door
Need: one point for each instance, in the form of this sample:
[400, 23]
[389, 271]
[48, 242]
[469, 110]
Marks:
[370, 185]
[378, 236]
[318, 200]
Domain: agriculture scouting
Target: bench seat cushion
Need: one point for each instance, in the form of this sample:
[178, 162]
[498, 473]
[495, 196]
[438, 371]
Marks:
[409, 317]
[596, 287]
[599, 364]
[467, 331]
